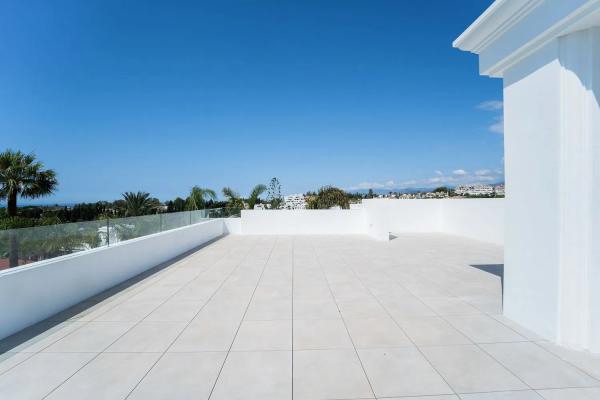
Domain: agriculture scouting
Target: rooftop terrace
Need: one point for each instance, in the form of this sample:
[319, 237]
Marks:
[303, 317]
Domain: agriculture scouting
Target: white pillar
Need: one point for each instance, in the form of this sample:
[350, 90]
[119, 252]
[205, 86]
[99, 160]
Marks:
[548, 53]
[552, 154]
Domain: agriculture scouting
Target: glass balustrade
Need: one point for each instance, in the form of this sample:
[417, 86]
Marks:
[28, 245]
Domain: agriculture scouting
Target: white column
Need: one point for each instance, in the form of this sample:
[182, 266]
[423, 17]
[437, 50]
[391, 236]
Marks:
[579, 170]
[552, 154]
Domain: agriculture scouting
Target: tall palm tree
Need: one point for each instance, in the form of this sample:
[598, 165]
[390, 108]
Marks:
[138, 203]
[22, 176]
[198, 198]
[233, 198]
[256, 192]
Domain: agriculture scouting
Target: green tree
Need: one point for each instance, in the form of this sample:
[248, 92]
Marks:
[21, 175]
[198, 197]
[138, 203]
[233, 198]
[441, 189]
[274, 194]
[255, 194]
[329, 197]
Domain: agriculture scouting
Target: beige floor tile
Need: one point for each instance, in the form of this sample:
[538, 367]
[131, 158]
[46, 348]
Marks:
[264, 335]
[376, 332]
[539, 368]
[109, 376]
[255, 375]
[321, 334]
[147, 337]
[401, 372]
[468, 369]
[329, 374]
[180, 376]
[40, 374]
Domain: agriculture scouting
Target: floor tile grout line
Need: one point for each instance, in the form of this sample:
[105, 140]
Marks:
[398, 325]
[242, 319]
[192, 319]
[114, 341]
[343, 321]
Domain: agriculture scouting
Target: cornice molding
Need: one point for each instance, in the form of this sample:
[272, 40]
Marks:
[493, 23]
[560, 28]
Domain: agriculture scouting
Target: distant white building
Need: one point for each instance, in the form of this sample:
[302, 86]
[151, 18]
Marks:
[474, 190]
[499, 190]
[294, 202]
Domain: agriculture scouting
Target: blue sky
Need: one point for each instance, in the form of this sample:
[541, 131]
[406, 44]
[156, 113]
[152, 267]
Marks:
[162, 95]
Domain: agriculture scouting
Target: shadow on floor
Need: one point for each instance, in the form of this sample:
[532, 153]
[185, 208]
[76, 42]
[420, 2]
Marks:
[494, 269]
[32, 332]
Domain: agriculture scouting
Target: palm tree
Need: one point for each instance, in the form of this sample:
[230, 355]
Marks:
[138, 203]
[198, 198]
[233, 198]
[22, 176]
[256, 192]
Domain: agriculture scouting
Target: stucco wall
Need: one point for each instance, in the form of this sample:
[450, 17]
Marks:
[479, 219]
[33, 293]
[302, 222]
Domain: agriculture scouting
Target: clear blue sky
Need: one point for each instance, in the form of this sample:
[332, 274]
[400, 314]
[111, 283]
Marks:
[162, 95]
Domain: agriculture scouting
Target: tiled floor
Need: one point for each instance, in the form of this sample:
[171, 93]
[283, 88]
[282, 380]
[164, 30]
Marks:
[306, 317]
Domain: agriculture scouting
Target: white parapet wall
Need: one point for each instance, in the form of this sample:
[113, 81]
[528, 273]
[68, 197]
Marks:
[480, 219]
[303, 222]
[32, 293]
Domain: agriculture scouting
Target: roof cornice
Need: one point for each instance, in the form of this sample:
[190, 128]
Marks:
[495, 21]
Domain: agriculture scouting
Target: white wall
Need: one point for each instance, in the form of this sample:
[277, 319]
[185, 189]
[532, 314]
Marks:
[480, 219]
[390, 215]
[30, 294]
[301, 222]
[232, 226]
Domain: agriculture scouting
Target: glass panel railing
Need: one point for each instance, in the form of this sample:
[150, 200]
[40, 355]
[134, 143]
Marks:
[176, 220]
[121, 229]
[27, 245]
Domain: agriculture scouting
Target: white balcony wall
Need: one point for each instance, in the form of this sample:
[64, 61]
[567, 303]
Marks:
[30, 294]
[479, 219]
[303, 222]
[392, 215]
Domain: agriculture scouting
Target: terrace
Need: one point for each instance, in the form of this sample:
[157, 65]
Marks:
[435, 299]
[321, 316]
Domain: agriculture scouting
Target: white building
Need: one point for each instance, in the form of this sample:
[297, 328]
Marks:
[548, 54]
[499, 190]
[474, 190]
[294, 202]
